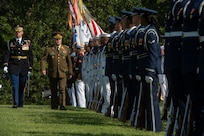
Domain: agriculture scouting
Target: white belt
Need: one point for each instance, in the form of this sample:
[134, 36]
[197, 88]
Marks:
[143, 55]
[115, 57]
[125, 57]
[176, 33]
[201, 38]
[132, 53]
[150, 70]
[167, 34]
[190, 34]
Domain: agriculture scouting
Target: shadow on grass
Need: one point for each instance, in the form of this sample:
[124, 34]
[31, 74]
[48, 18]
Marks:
[72, 134]
[74, 116]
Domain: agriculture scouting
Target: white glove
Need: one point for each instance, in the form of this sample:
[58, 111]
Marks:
[130, 76]
[148, 79]
[29, 73]
[138, 77]
[113, 76]
[5, 69]
[120, 76]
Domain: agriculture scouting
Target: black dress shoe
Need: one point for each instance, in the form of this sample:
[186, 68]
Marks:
[62, 108]
[15, 106]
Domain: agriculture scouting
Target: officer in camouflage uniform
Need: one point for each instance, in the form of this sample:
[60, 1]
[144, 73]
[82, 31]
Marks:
[59, 70]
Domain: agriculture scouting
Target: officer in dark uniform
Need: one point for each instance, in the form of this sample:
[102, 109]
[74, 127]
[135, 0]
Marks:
[149, 66]
[172, 62]
[109, 62]
[133, 63]
[59, 69]
[115, 73]
[189, 55]
[200, 75]
[18, 61]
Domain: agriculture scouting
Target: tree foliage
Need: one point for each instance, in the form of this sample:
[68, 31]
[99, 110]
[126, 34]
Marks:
[41, 18]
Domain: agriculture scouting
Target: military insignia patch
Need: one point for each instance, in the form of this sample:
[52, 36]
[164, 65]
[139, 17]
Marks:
[12, 45]
[151, 42]
[25, 47]
[52, 53]
[64, 51]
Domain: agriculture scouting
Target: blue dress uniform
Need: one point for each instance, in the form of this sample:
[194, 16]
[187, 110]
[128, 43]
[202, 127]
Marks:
[200, 75]
[189, 52]
[115, 69]
[109, 65]
[168, 22]
[173, 58]
[149, 65]
[133, 71]
[19, 59]
[124, 71]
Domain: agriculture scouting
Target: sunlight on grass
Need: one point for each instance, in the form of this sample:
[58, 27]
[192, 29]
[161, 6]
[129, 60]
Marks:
[41, 120]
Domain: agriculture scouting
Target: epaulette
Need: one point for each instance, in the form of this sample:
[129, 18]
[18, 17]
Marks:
[66, 46]
[201, 8]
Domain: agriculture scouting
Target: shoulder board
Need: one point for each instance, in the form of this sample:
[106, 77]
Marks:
[173, 8]
[185, 7]
[66, 46]
[201, 8]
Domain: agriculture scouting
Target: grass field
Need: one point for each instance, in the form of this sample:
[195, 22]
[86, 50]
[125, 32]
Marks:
[40, 120]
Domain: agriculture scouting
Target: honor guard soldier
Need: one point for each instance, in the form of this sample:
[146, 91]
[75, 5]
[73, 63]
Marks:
[172, 64]
[115, 73]
[125, 63]
[95, 73]
[86, 69]
[124, 80]
[133, 64]
[109, 63]
[189, 55]
[79, 83]
[200, 74]
[18, 61]
[59, 69]
[168, 22]
[104, 79]
[149, 66]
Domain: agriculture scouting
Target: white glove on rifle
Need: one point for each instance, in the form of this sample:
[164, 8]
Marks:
[130, 76]
[29, 73]
[113, 76]
[138, 77]
[5, 69]
[148, 79]
[120, 76]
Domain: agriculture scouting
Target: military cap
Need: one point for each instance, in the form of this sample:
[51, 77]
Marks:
[105, 35]
[18, 28]
[79, 47]
[87, 44]
[57, 35]
[117, 19]
[147, 11]
[111, 20]
[125, 13]
[91, 40]
[136, 11]
[97, 37]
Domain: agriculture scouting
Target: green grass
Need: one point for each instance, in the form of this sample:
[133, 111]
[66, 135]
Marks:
[40, 120]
